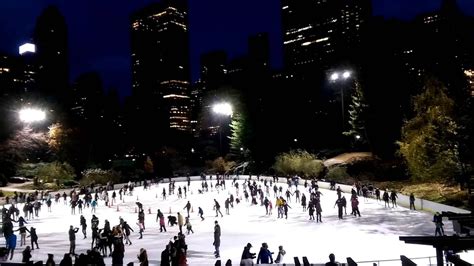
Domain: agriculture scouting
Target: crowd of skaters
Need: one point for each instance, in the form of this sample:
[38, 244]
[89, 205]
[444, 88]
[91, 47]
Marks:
[108, 238]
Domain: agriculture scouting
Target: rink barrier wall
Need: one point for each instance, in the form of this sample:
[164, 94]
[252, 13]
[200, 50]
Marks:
[402, 200]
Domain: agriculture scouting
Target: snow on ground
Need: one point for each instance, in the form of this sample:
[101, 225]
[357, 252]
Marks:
[372, 237]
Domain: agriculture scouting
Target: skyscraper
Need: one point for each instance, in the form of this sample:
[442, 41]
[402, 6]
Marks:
[160, 60]
[51, 40]
[321, 32]
[29, 70]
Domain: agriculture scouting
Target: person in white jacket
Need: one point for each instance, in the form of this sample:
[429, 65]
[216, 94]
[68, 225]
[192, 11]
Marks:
[281, 254]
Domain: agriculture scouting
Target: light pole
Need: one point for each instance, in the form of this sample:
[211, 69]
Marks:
[341, 77]
[222, 109]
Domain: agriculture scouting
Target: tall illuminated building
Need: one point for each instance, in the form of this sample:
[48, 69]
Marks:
[51, 40]
[321, 32]
[160, 61]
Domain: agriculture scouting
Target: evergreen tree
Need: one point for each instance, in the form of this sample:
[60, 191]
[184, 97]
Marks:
[357, 117]
[429, 140]
[239, 139]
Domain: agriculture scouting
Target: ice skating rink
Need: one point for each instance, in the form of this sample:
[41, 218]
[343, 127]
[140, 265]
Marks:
[372, 237]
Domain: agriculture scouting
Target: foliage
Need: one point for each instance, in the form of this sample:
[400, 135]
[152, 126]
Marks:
[338, 174]
[428, 142]
[56, 134]
[240, 135]
[220, 165]
[99, 176]
[3, 180]
[148, 165]
[298, 162]
[357, 117]
[49, 172]
[60, 142]
[24, 144]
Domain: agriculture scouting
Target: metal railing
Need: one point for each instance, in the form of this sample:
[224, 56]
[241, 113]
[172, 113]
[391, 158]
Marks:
[431, 261]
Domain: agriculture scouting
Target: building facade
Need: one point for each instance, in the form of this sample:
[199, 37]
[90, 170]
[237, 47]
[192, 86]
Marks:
[160, 61]
[322, 32]
[51, 40]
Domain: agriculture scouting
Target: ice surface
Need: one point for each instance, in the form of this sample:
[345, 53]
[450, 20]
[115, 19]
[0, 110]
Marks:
[372, 237]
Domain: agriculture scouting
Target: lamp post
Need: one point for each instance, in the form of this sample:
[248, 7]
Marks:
[341, 77]
[222, 109]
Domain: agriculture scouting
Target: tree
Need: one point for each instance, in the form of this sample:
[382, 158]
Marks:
[55, 171]
[298, 162]
[148, 166]
[25, 144]
[239, 139]
[221, 166]
[357, 117]
[99, 176]
[61, 142]
[429, 140]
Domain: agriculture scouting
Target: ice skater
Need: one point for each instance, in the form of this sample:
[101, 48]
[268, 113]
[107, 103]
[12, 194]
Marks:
[281, 254]
[438, 220]
[72, 239]
[385, 199]
[23, 231]
[201, 213]
[161, 218]
[227, 206]
[311, 211]
[319, 210]
[217, 207]
[189, 227]
[412, 201]
[303, 201]
[34, 238]
[340, 206]
[217, 239]
[83, 226]
[180, 222]
[393, 198]
[187, 207]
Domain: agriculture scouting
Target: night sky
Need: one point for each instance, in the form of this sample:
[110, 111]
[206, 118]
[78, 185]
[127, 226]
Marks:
[99, 29]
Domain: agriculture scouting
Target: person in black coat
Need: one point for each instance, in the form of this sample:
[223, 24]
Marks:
[340, 206]
[34, 238]
[26, 255]
[72, 239]
[165, 256]
[118, 253]
[66, 261]
[247, 256]
[412, 201]
[217, 238]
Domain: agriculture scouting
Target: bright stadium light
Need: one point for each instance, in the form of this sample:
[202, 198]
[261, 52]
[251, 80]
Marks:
[27, 48]
[223, 109]
[31, 115]
[346, 74]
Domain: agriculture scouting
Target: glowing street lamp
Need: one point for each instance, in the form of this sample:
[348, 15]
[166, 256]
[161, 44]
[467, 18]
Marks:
[31, 115]
[339, 77]
[222, 109]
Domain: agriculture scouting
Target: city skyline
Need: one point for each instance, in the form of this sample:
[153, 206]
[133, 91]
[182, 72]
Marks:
[103, 45]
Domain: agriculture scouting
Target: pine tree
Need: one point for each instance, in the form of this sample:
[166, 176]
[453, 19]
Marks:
[239, 139]
[357, 117]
